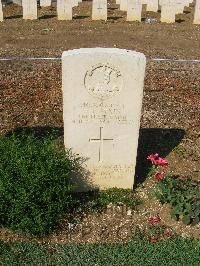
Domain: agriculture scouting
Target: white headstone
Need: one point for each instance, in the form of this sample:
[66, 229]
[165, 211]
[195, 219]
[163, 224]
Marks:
[102, 100]
[168, 11]
[169, 8]
[180, 5]
[134, 10]
[99, 10]
[64, 9]
[29, 9]
[1, 11]
[197, 13]
[123, 5]
[152, 5]
[45, 3]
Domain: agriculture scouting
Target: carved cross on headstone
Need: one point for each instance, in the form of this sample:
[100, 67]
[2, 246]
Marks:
[101, 140]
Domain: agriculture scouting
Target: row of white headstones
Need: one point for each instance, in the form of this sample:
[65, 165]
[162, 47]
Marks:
[169, 8]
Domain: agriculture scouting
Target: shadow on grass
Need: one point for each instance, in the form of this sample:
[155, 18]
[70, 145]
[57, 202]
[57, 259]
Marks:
[114, 17]
[14, 17]
[179, 20]
[47, 16]
[186, 12]
[154, 140]
[112, 8]
[80, 17]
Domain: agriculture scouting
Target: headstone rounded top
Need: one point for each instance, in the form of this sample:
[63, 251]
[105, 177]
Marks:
[103, 50]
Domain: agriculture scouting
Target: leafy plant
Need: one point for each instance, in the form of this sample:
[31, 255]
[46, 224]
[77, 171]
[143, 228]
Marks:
[115, 196]
[35, 188]
[97, 201]
[184, 197]
[182, 194]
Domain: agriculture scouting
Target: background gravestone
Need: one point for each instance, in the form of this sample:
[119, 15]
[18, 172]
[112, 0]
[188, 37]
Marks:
[123, 5]
[64, 9]
[1, 12]
[102, 94]
[45, 3]
[152, 5]
[168, 11]
[134, 10]
[99, 10]
[29, 9]
[197, 12]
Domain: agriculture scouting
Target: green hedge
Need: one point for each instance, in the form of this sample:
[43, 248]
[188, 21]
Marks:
[172, 252]
[35, 189]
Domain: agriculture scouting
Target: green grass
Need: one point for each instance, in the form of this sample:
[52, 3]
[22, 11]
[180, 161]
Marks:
[172, 252]
[97, 201]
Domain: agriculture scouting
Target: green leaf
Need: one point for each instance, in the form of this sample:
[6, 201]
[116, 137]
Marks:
[174, 215]
[195, 221]
[186, 219]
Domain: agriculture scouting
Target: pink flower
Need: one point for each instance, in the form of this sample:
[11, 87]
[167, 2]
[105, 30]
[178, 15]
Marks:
[161, 162]
[153, 157]
[159, 175]
[154, 219]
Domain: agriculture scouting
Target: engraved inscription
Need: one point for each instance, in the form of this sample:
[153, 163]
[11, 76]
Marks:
[106, 172]
[103, 113]
[103, 81]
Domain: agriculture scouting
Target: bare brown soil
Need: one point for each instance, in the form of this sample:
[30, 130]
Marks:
[49, 37]
[31, 96]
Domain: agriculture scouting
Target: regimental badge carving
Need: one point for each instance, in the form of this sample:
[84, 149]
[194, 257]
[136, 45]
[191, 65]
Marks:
[103, 81]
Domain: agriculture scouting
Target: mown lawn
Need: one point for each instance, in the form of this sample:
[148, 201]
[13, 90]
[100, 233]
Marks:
[176, 251]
